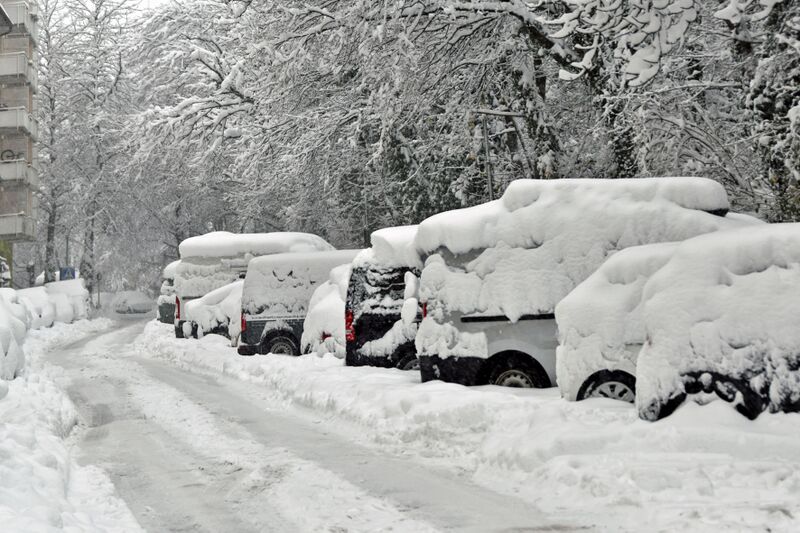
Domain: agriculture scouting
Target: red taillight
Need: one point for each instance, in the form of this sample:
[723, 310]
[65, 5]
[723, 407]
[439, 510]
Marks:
[244, 324]
[325, 336]
[177, 308]
[424, 309]
[349, 329]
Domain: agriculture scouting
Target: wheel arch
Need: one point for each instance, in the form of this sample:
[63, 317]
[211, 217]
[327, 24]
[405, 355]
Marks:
[503, 356]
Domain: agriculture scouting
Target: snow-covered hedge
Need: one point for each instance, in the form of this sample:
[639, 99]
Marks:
[722, 317]
[522, 254]
[219, 311]
[323, 328]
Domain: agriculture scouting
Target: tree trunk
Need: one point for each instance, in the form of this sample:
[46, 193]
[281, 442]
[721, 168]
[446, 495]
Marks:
[50, 262]
[623, 142]
[87, 258]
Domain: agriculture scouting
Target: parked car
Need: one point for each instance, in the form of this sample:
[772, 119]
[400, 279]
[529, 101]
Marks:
[166, 299]
[132, 303]
[375, 333]
[721, 319]
[218, 312]
[495, 272]
[218, 258]
[323, 328]
[275, 297]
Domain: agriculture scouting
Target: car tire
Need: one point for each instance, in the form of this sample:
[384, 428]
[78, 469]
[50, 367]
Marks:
[280, 345]
[409, 362]
[613, 384]
[727, 388]
[517, 370]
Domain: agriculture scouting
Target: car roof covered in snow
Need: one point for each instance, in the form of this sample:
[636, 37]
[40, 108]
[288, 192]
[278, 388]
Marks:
[531, 211]
[391, 247]
[225, 244]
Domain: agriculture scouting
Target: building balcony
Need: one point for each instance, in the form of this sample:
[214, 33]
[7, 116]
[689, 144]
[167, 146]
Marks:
[18, 120]
[19, 170]
[15, 67]
[17, 227]
[23, 18]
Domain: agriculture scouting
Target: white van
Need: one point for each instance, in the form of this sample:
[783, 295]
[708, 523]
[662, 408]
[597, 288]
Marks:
[218, 258]
[494, 273]
[275, 297]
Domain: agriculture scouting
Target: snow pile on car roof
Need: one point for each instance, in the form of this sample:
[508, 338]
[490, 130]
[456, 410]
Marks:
[722, 316]
[225, 244]
[323, 328]
[281, 284]
[393, 247]
[170, 269]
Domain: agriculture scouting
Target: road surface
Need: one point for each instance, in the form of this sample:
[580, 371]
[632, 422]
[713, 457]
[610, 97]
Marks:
[189, 451]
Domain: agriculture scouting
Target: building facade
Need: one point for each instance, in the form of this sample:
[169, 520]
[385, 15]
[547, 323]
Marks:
[18, 126]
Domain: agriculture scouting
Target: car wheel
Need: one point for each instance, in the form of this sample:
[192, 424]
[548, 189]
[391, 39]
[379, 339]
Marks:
[614, 384]
[748, 402]
[518, 371]
[409, 362]
[281, 345]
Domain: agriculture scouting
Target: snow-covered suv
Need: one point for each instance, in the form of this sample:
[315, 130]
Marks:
[275, 297]
[495, 272]
[218, 258]
[375, 333]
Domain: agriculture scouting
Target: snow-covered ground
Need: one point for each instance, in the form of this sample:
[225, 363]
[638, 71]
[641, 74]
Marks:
[42, 488]
[706, 468]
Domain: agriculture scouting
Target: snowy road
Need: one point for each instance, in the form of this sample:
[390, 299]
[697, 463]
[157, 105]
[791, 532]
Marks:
[191, 451]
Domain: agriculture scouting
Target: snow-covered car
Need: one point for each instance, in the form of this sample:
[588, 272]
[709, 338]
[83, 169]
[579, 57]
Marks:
[722, 318]
[600, 323]
[218, 258]
[494, 273]
[375, 333]
[40, 304]
[275, 297]
[166, 297]
[131, 303]
[323, 328]
[71, 299]
[218, 312]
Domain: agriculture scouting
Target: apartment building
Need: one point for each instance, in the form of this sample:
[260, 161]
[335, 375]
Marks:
[18, 126]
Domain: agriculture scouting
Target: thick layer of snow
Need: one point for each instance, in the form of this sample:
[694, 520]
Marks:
[75, 293]
[395, 247]
[323, 328]
[703, 469]
[231, 245]
[529, 249]
[43, 308]
[42, 488]
[281, 285]
[170, 270]
[726, 304]
[220, 308]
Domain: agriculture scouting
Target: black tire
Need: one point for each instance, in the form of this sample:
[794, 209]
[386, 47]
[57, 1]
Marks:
[409, 362]
[281, 344]
[613, 384]
[517, 370]
[727, 388]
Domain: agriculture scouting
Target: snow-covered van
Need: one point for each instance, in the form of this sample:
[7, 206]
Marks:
[494, 273]
[721, 319]
[218, 258]
[375, 333]
[275, 297]
[166, 299]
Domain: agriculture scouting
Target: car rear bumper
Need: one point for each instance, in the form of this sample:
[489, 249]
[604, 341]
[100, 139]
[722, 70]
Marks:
[461, 370]
[247, 349]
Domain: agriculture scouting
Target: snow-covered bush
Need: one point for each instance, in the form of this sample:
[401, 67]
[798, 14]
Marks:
[219, 312]
[722, 317]
[323, 328]
[520, 255]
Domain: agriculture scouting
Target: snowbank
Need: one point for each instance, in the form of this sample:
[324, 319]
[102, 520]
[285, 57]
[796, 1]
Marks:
[721, 316]
[225, 244]
[42, 488]
[323, 328]
[280, 285]
[522, 254]
[219, 311]
[700, 470]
